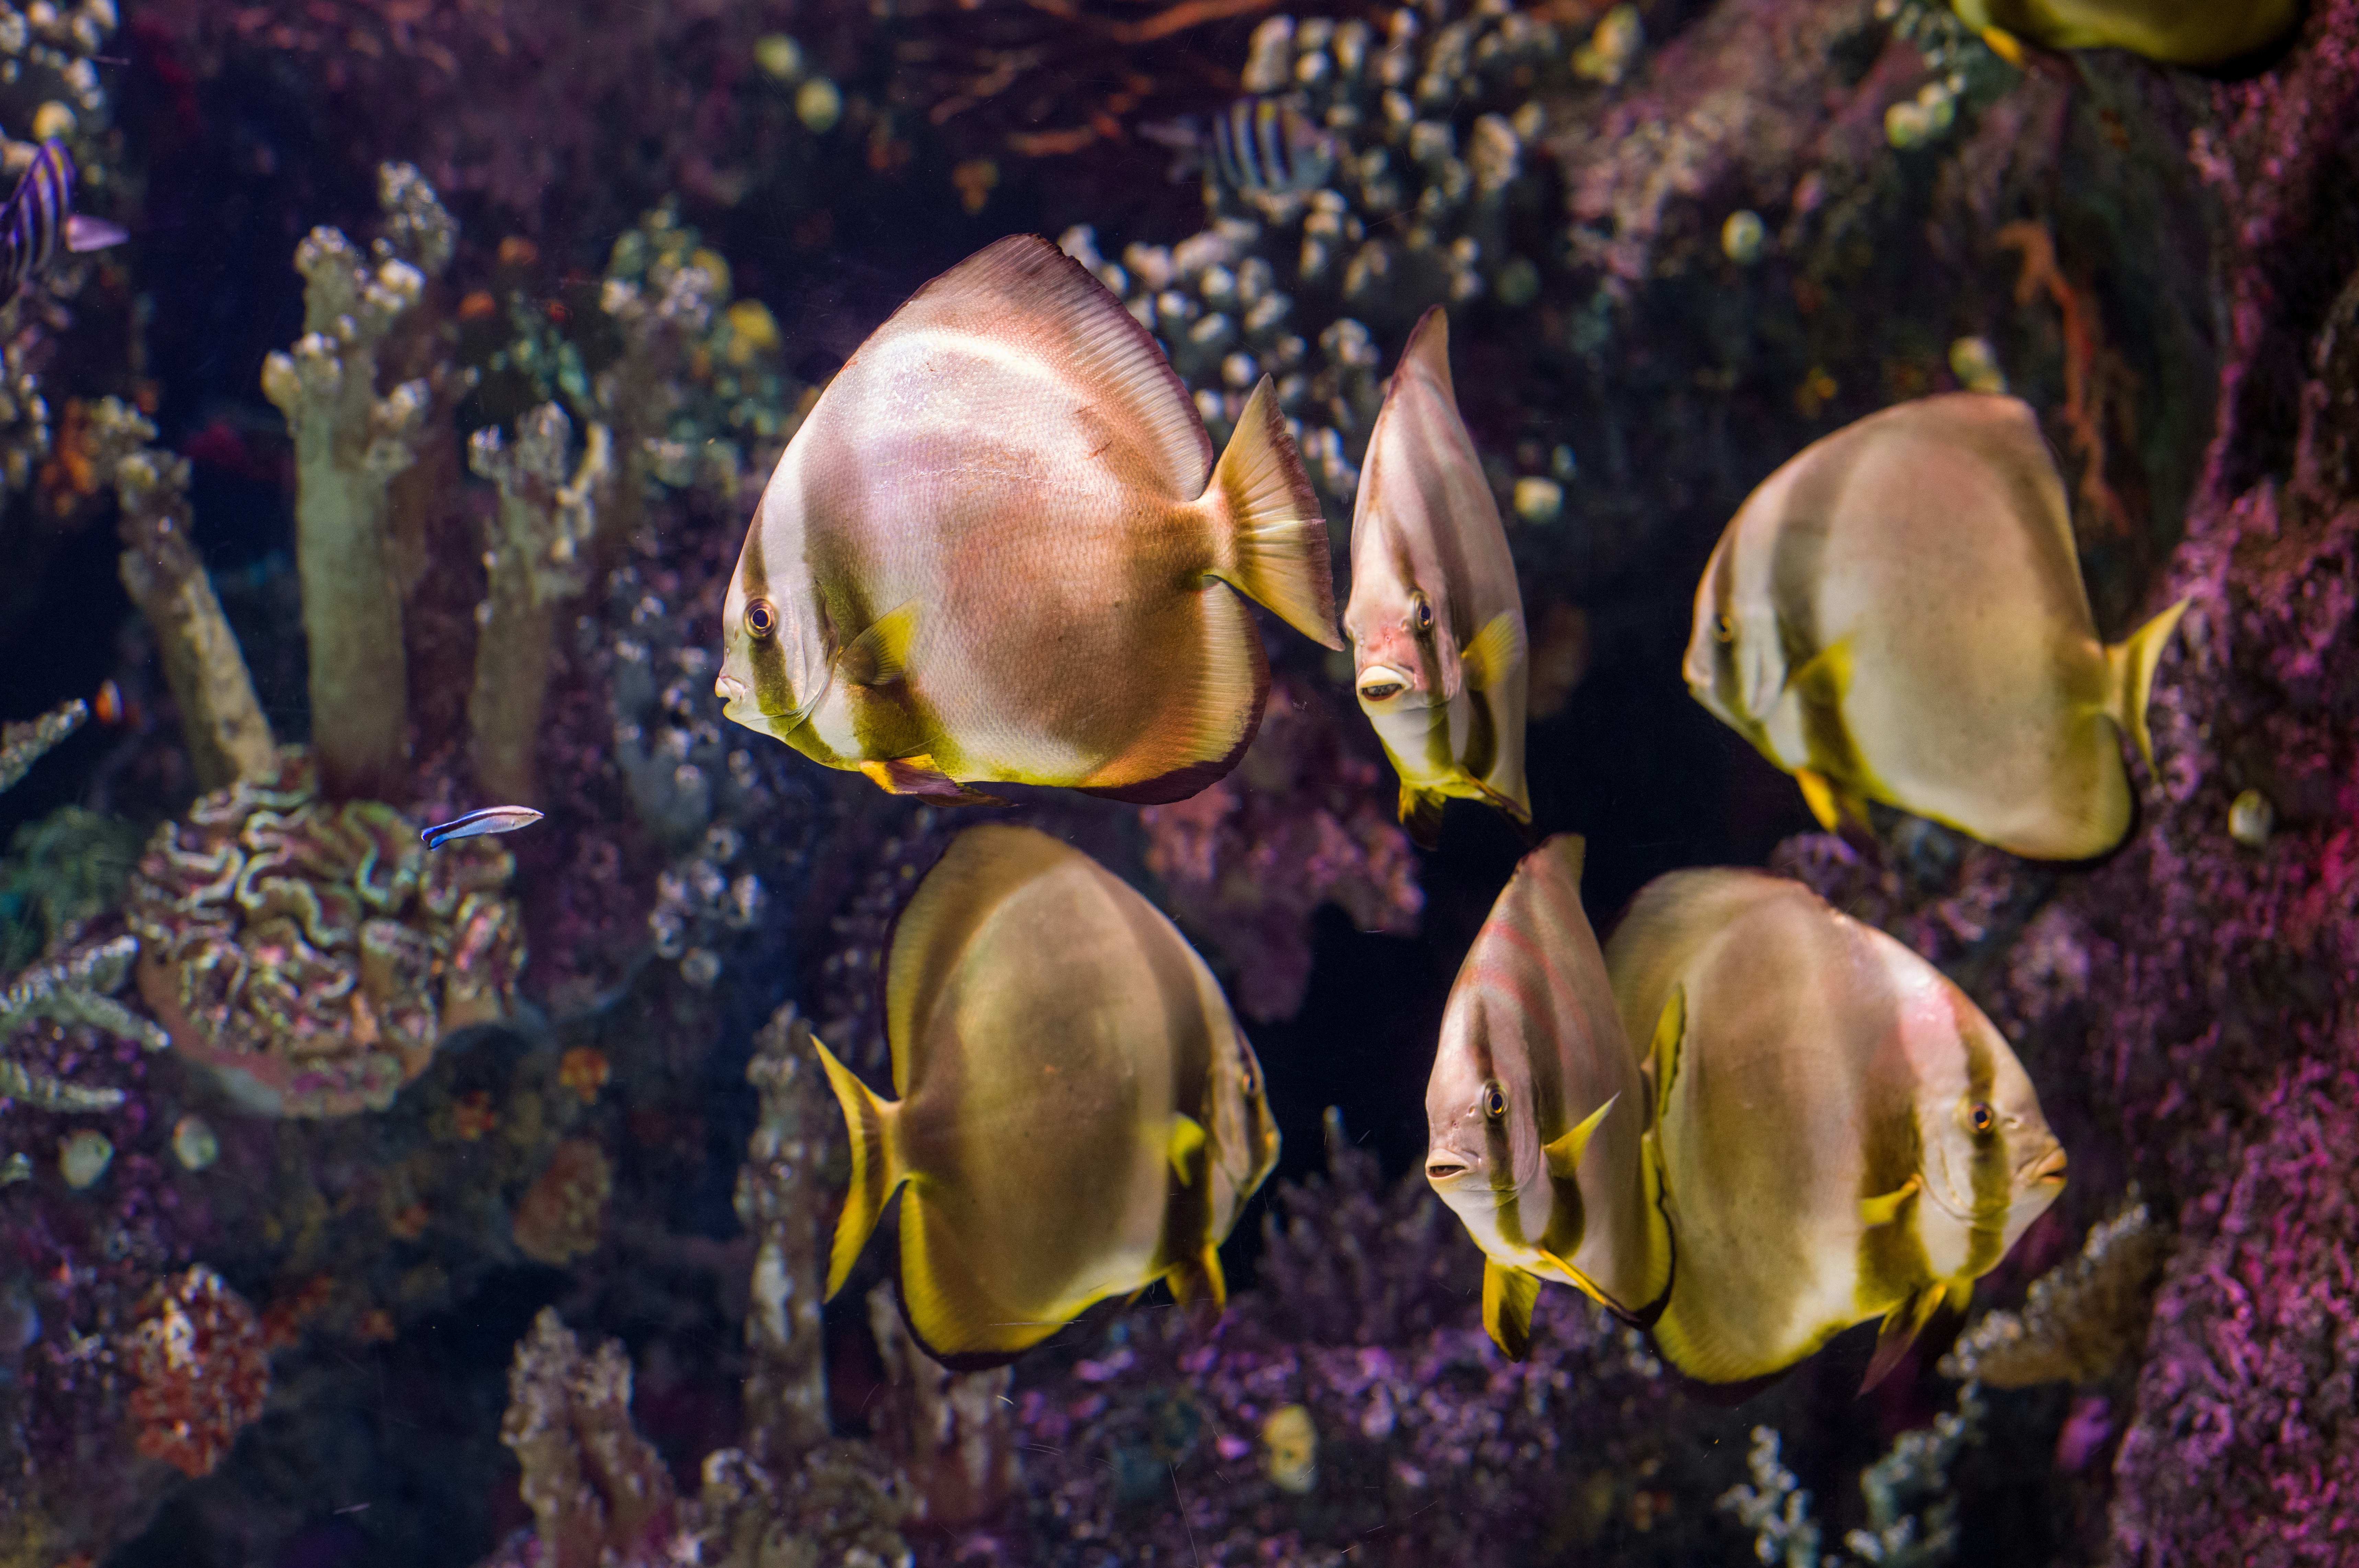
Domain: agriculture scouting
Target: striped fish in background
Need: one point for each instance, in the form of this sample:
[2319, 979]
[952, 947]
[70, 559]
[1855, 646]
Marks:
[1269, 146]
[40, 216]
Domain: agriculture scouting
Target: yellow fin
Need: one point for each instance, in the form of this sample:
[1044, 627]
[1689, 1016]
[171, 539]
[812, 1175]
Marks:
[1420, 813]
[2005, 45]
[1886, 1207]
[1275, 552]
[1497, 650]
[877, 1168]
[880, 655]
[959, 1325]
[1663, 1051]
[1200, 1280]
[1564, 1154]
[1902, 1324]
[1186, 1149]
[1820, 796]
[1507, 1298]
[918, 776]
[1825, 679]
[2130, 665]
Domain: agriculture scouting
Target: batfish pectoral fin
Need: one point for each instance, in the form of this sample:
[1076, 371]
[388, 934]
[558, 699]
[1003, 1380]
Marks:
[1508, 1295]
[1825, 680]
[918, 776]
[1820, 796]
[1495, 651]
[1564, 1154]
[1420, 813]
[1198, 1283]
[1902, 1324]
[1886, 1207]
[2129, 666]
[876, 1167]
[1186, 1149]
[1663, 1051]
[880, 655]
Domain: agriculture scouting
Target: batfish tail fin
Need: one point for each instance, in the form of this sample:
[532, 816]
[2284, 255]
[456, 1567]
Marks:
[877, 1168]
[2130, 665]
[1273, 549]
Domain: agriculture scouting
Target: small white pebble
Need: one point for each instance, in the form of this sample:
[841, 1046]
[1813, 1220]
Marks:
[1538, 500]
[2251, 820]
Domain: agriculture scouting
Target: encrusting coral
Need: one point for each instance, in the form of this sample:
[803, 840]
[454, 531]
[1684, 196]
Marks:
[350, 441]
[2079, 1320]
[203, 1371]
[23, 745]
[314, 954]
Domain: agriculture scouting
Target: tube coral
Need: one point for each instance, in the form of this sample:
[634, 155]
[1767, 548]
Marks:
[349, 441]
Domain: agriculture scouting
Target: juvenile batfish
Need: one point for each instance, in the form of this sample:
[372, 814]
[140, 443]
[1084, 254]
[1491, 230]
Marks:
[1435, 619]
[990, 553]
[1536, 1112]
[490, 820]
[1077, 1113]
[1896, 614]
[2176, 32]
[40, 220]
[1840, 1133]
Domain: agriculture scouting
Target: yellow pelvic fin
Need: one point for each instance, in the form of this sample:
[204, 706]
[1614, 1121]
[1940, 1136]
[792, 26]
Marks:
[1663, 1051]
[1276, 549]
[1564, 1154]
[1507, 1298]
[1420, 813]
[2005, 45]
[1902, 1324]
[880, 655]
[2130, 666]
[1199, 1280]
[1495, 651]
[876, 1168]
[1186, 1149]
[1820, 796]
[918, 776]
[1886, 1207]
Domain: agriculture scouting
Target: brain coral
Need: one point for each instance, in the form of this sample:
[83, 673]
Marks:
[314, 954]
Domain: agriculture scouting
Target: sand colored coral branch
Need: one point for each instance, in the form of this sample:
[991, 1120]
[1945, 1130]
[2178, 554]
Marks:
[2081, 1319]
[21, 746]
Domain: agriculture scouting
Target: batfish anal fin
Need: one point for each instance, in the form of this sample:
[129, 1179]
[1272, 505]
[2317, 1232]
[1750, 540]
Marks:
[2130, 667]
[1198, 1283]
[1508, 1295]
[1186, 1149]
[1495, 651]
[876, 1167]
[1420, 813]
[880, 655]
[946, 1306]
[1902, 1324]
[1820, 796]
[1564, 1154]
[918, 776]
[1883, 1209]
[1274, 543]
[93, 234]
[1215, 693]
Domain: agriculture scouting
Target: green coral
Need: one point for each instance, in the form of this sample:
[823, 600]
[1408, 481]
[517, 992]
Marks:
[71, 866]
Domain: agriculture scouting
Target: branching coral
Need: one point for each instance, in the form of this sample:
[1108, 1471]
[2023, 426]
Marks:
[2093, 374]
[23, 745]
[2081, 1319]
[785, 1202]
[313, 955]
[598, 1491]
[952, 1433]
[202, 1370]
[349, 442]
[1912, 1508]
[1300, 823]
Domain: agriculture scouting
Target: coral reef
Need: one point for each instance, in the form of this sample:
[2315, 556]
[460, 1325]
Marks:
[785, 1203]
[313, 955]
[599, 1493]
[1299, 823]
[199, 1359]
[23, 745]
[558, 1217]
[951, 1434]
[2080, 1321]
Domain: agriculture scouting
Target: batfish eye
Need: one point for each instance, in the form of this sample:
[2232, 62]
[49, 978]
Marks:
[1981, 1118]
[761, 617]
[1494, 1100]
[1723, 628]
[1421, 613]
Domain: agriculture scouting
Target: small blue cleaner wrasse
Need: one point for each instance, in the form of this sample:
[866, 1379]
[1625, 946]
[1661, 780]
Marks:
[474, 824]
[998, 549]
[1897, 614]
[1076, 1115]
[1436, 619]
[1536, 1112]
[1839, 1135]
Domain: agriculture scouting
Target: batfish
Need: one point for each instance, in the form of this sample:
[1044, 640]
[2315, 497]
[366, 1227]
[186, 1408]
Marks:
[2176, 32]
[1839, 1132]
[991, 553]
[1077, 1113]
[1537, 1111]
[1897, 614]
[1435, 619]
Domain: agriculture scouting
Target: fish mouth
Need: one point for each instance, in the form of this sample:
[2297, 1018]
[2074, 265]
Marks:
[1381, 683]
[730, 691]
[2046, 1170]
[1447, 1165]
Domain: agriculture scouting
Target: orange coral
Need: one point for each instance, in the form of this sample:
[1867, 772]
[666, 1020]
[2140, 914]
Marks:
[583, 1071]
[202, 1370]
[2093, 374]
[558, 1217]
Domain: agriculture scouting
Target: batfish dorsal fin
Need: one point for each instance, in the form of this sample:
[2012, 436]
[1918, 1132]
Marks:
[1024, 289]
[1497, 650]
[880, 655]
[1428, 349]
[1508, 1295]
[1564, 1154]
[877, 1168]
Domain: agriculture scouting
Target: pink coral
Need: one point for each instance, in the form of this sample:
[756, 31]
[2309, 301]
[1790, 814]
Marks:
[1299, 823]
[203, 1369]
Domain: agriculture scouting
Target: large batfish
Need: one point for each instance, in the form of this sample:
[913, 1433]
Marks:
[1077, 1117]
[1537, 1112]
[991, 553]
[1897, 614]
[1840, 1135]
[1435, 619]
[2176, 32]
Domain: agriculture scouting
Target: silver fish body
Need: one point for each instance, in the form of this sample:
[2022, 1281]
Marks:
[1897, 614]
[1436, 618]
[1840, 1133]
[474, 824]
